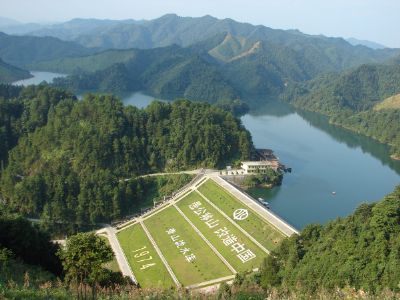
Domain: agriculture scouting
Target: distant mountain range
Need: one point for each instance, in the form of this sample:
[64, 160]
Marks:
[209, 59]
[248, 68]
[23, 50]
[6, 22]
[164, 31]
[369, 44]
[238, 66]
[201, 58]
[11, 26]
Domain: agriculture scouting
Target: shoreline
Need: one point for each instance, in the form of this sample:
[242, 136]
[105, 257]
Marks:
[395, 157]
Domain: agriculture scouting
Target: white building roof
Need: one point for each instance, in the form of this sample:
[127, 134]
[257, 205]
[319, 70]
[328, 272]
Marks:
[257, 163]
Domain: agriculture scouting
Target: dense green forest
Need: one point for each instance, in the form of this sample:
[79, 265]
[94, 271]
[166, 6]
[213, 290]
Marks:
[22, 110]
[169, 73]
[359, 251]
[33, 267]
[226, 64]
[23, 241]
[66, 161]
[350, 98]
[9, 73]
[191, 72]
[355, 90]
[383, 125]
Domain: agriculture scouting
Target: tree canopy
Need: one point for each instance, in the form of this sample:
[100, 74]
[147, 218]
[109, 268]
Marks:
[350, 100]
[66, 160]
[360, 251]
[83, 258]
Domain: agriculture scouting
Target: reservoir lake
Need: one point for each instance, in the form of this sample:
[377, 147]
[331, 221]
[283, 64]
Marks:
[333, 170]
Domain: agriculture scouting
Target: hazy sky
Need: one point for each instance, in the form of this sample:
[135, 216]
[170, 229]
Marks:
[376, 20]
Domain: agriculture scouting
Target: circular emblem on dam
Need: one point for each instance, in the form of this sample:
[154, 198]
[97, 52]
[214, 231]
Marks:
[240, 214]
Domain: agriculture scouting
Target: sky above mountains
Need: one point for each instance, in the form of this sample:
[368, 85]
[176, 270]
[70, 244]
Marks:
[364, 19]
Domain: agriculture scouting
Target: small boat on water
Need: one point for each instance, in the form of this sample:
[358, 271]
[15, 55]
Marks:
[334, 193]
[263, 202]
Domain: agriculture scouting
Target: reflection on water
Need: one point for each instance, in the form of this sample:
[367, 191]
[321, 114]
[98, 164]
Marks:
[351, 139]
[138, 99]
[39, 77]
[272, 108]
[325, 159]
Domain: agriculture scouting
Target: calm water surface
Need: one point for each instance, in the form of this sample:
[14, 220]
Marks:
[323, 158]
[138, 99]
[38, 77]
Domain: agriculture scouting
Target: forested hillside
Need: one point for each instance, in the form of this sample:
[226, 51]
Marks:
[20, 240]
[351, 98]
[85, 63]
[30, 264]
[67, 159]
[359, 251]
[184, 31]
[9, 73]
[225, 63]
[22, 111]
[23, 50]
[204, 59]
[356, 90]
[213, 70]
[170, 72]
[220, 59]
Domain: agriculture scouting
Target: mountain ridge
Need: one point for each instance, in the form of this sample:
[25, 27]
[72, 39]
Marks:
[366, 43]
[22, 50]
[171, 28]
[9, 73]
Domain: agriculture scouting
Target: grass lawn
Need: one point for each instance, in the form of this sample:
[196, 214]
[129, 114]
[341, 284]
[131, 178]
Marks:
[257, 227]
[150, 272]
[217, 242]
[113, 264]
[206, 266]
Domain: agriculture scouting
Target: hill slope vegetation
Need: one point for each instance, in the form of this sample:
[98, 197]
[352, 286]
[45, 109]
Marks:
[23, 50]
[9, 73]
[225, 61]
[170, 72]
[66, 160]
[360, 251]
[351, 100]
